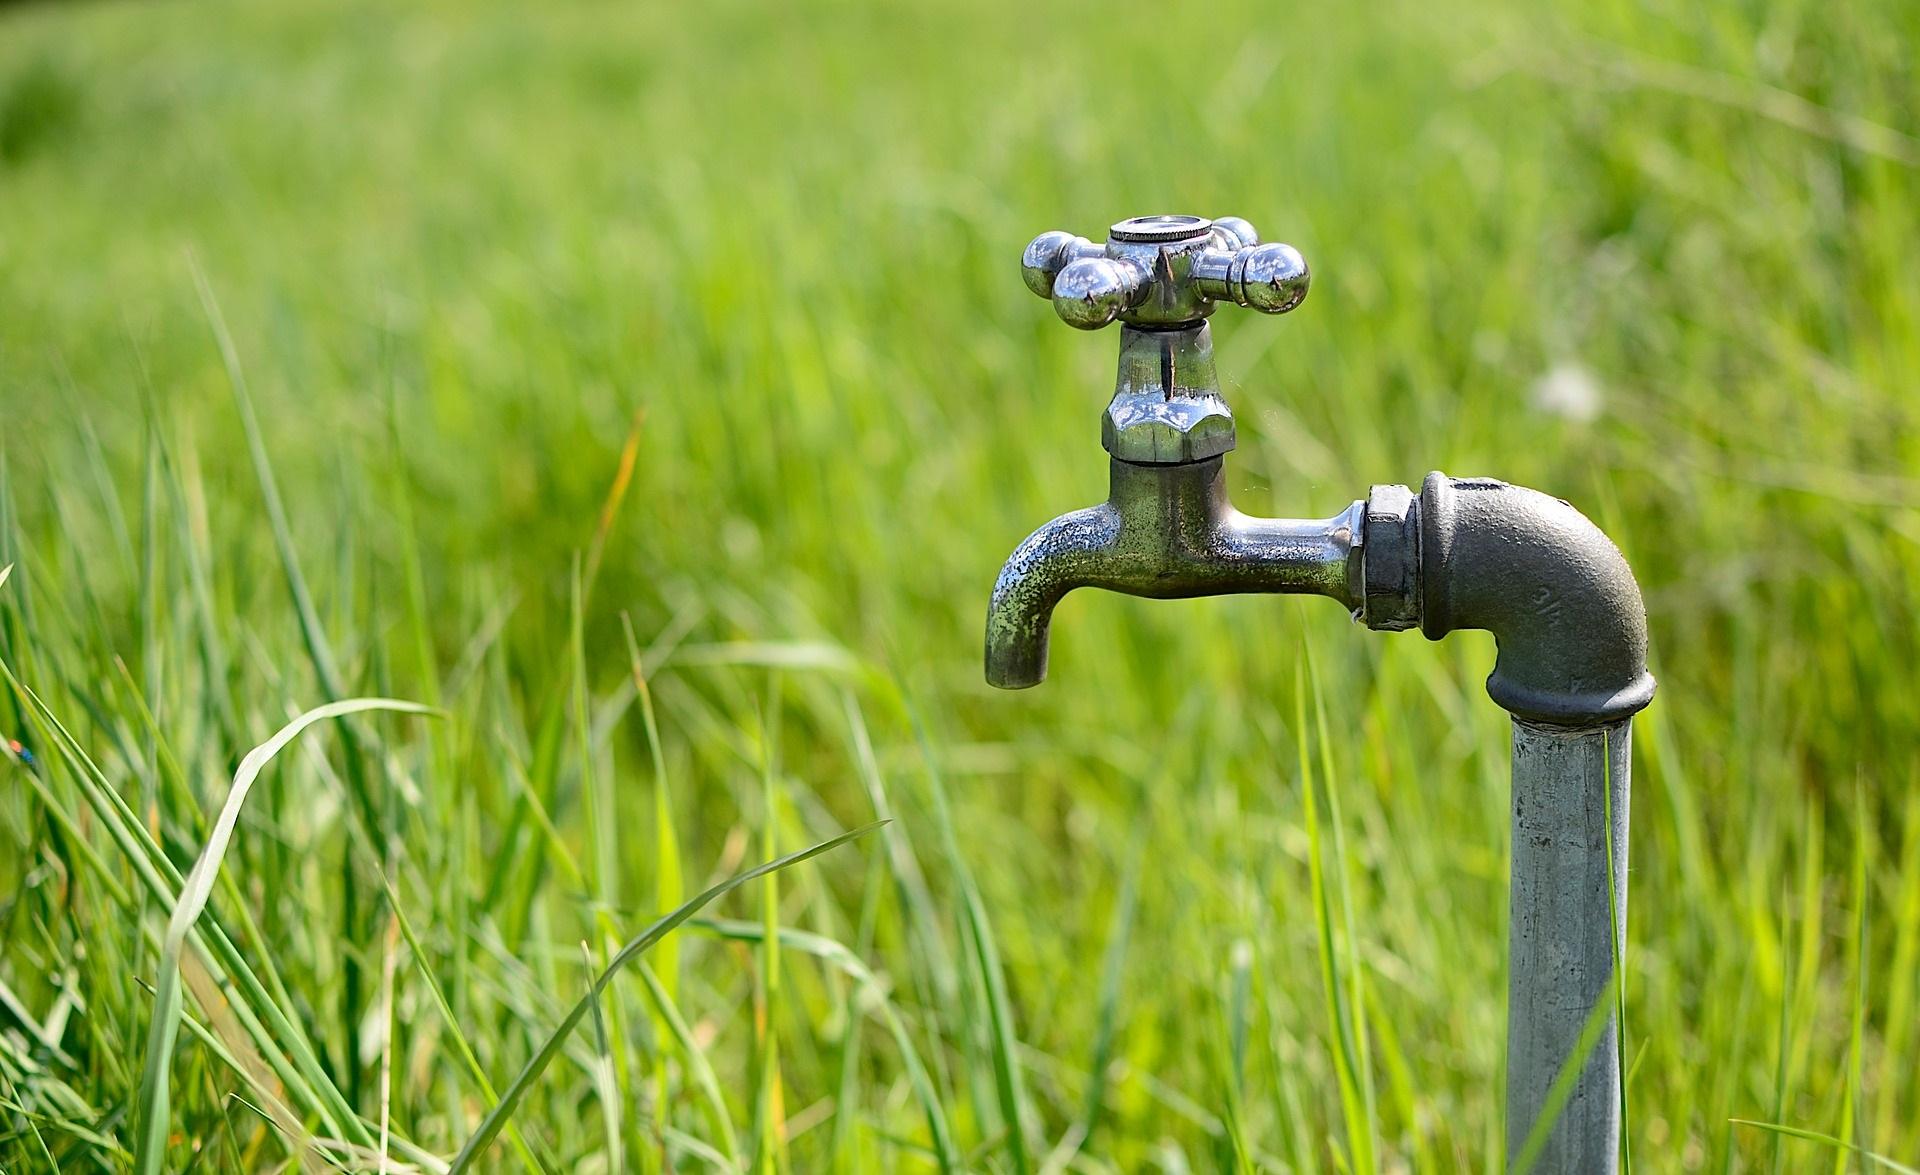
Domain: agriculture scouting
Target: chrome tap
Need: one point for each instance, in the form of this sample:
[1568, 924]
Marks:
[1166, 529]
[1461, 553]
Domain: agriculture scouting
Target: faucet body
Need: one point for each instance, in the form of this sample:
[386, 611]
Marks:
[1560, 600]
[1165, 532]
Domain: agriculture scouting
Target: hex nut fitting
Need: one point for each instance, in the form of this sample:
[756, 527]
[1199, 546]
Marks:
[1152, 430]
[1390, 558]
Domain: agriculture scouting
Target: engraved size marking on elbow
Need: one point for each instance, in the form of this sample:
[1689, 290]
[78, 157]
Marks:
[1546, 604]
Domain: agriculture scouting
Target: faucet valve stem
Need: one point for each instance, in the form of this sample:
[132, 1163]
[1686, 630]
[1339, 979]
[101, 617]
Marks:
[1160, 277]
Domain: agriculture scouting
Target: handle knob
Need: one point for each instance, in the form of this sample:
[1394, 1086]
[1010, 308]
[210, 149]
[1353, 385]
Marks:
[1049, 254]
[1163, 271]
[1269, 278]
[1093, 291]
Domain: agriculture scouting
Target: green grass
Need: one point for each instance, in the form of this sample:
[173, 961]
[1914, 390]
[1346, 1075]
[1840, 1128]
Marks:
[324, 329]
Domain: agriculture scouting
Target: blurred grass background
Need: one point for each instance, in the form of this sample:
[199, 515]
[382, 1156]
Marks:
[1656, 261]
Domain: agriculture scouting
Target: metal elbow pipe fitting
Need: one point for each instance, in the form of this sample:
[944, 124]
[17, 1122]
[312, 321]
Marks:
[1555, 592]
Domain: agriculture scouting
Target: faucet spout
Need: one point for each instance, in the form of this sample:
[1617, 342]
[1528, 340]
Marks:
[1165, 532]
[1074, 550]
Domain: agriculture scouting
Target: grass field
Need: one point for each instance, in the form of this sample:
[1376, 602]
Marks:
[651, 390]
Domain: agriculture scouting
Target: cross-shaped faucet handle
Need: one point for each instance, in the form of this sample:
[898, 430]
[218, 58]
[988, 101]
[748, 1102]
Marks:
[1163, 271]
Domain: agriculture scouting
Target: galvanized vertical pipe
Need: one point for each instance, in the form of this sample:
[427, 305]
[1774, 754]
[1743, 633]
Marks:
[1568, 925]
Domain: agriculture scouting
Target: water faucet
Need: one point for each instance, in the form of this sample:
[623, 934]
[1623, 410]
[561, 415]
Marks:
[1565, 611]
[1166, 529]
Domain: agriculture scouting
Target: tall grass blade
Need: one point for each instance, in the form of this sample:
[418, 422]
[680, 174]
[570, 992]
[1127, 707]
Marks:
[150, 1145]
[604, 1084]
[668, 887]
[821, 947]
[463, 1047]
[769, 1127]
[1903, 975]
[509, 1102]
[1616, 944]
[718, 1119]
[616, 493]
[596, 789]
[1009, 1083]
[1353, 1106]
[325, 667]
[1592, 1031]
[1850, 1125]
[264, 1019]
[1112, 971]
[1356, 971]
[1841, 1145]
